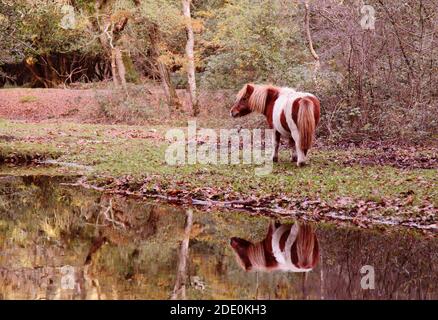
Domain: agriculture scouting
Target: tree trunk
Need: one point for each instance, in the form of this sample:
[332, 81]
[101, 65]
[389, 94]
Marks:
[109, 33]
[121, 70]
[310, 41]
[52, 73]
[168, 87]
[37, 79]
[114, 68]
[179, 290]
[190, 57]
[321, 273]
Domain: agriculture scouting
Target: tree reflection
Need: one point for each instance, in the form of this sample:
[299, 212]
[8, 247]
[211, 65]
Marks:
[140, 250]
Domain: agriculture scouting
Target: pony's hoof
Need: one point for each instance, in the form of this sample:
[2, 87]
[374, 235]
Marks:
[301, 164]
[275, 159]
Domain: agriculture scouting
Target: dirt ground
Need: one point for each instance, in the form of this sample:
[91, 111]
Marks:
[101, 104]
[43, 104]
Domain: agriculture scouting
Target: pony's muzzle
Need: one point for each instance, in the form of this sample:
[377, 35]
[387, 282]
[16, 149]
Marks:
[234, 113]
[234, 242]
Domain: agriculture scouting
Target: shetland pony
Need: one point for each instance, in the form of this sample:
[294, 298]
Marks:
[293, 115]
[291, 248]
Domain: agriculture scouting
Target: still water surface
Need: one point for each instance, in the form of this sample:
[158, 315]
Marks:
[64, 242]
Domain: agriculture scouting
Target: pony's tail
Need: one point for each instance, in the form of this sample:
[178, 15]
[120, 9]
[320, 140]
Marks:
[306, 123]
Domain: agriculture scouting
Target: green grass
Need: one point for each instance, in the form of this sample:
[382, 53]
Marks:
[110, 151]
[27, 99]
[19, 148]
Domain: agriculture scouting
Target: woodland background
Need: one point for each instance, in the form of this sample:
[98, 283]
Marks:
[374, 84]
[90, 89]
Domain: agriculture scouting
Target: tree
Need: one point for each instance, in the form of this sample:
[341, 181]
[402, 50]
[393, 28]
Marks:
[255, 43]
[309, 39]
[33, 35]
[110, 24]
[166, 82]
[382, 75]
[161, 23]
[190, 57]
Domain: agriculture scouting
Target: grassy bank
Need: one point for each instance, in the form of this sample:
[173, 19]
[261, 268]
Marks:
[358, 182]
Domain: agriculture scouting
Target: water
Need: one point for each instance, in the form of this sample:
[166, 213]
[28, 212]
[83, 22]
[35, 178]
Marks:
[64, 242]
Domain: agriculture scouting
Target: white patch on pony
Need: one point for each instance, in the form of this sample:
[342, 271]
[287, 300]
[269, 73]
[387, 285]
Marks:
[289, 242]
[278, 254]
[279, 107]
[283, 257]
[276, 115]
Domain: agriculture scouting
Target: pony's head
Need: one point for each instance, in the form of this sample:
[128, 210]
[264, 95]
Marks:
[241, 106]
[252, 98]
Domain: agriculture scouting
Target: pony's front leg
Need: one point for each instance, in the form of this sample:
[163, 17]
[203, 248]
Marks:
[301, 156]
[276, 138]
[293, 157]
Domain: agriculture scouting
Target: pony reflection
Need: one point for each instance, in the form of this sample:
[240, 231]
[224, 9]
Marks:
[292, 248]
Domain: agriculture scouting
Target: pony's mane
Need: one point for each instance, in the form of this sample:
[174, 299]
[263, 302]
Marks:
[257, 100]
[256, 254]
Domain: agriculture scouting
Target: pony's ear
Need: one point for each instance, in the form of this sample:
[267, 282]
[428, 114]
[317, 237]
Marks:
[246, 91]
[249, 88]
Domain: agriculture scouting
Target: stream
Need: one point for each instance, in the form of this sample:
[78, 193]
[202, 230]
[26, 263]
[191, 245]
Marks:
[58, 241]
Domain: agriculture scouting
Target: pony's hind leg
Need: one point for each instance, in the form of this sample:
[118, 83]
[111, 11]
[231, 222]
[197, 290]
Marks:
[276, 138]
[293, 157]
[301, 156]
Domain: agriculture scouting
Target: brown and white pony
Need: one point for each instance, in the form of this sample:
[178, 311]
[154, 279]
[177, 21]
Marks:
[292, 114]
[291, 248]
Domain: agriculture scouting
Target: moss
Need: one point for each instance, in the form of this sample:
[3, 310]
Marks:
[131, 73]
[27, 99]
[22, 152]
[116, 151]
